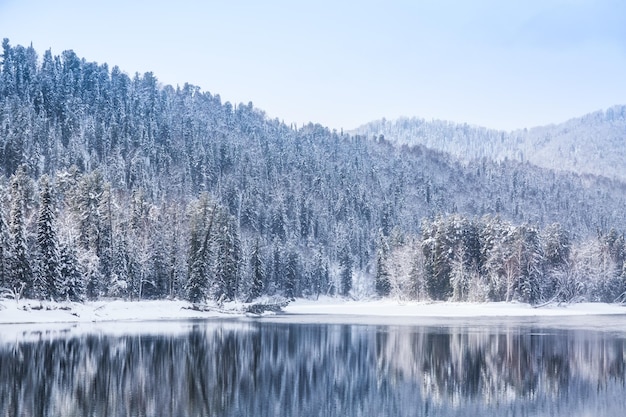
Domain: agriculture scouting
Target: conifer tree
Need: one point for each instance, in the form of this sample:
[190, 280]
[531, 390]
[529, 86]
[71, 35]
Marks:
[257, 271]
[73, 285]
[197, 287]
[5, 254]
[227, 257]
[382, 283]
[21, 270]
[49, 262]
[345, 274]
[291, 275]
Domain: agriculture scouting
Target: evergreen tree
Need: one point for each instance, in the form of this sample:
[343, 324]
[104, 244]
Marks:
[257, 271]
[228, 254]
[291, 275]
[530, 260]
[5, 253]
[200, 251]
[90, 267]
[49, 262]
[320, 280]
[120, 275]
[72, 286]
[345, 274]
[21, 271]
[382, 283]
[437, 248]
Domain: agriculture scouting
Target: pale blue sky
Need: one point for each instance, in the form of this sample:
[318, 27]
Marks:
[494, 63]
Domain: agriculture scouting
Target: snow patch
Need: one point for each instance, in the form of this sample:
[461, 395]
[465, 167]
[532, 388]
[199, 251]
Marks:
[394, 308]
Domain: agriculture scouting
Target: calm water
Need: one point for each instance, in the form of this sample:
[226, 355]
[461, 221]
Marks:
[277, 368]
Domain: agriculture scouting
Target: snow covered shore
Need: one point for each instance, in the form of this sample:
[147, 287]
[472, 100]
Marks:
[28, 311]
[394, 308]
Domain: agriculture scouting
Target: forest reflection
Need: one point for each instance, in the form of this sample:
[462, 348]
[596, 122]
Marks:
[274, 369]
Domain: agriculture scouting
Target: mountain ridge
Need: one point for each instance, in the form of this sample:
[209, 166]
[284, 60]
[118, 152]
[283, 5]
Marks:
[590, 144]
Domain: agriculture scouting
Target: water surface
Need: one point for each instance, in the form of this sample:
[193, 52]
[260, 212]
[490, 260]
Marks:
[278, 367]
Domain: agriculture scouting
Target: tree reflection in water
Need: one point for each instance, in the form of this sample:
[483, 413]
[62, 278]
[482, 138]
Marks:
[272, 369]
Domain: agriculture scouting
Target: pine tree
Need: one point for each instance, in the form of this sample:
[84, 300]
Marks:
[531, 264]
[73, 286]
[21, 270]
[228, 255]
[382, 283]
[200, 248]
[345, 274]
[5, 253]
[119, 279]
[291, 275]
[48, 245]
[257, 271]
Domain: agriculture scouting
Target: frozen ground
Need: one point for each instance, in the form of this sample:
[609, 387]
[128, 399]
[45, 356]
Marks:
[393, 308]
[28, 311]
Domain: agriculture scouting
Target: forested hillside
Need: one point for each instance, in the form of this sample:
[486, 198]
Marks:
[592, 144]
[114, 185]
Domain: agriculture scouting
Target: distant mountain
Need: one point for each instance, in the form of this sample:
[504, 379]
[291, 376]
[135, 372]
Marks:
[591, 144]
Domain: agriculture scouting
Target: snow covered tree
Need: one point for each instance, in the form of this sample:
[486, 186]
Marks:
[382, 283]
[5, 253]
[437, 246]
[345, 272]
[21, 270]
[530, 261]
[257, 271]
[72, 286]
[400, 265]
[49, 262]
[200, 249]
[119, 280]
[89, 265]
[225, 266]
[555, 242]
[291, 275]
[320, 279]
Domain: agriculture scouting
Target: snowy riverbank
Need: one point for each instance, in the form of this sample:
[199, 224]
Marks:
[394, 308]
[28, 311]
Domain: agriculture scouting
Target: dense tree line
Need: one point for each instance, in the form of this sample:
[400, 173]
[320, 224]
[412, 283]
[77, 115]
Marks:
[489, 259]
[114, 185]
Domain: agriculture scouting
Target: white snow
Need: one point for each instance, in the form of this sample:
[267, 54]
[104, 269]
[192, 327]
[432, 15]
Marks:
[27, 311]
[394, 308]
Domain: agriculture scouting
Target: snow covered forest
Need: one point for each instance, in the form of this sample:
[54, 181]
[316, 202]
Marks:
[586, 145]
[117, 186]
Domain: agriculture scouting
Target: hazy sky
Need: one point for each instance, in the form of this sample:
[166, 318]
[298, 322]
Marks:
[495, 63]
